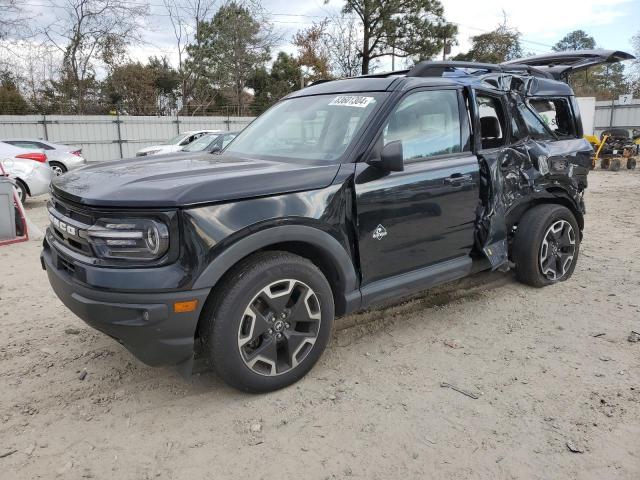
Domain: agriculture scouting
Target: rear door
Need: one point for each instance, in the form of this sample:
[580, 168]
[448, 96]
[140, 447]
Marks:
[561, 64]
[425, 214]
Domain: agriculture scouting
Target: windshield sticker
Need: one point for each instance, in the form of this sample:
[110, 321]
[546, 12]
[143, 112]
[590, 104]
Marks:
[351, 101]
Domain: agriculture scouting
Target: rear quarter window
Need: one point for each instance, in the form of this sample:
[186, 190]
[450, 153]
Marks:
[556, 113]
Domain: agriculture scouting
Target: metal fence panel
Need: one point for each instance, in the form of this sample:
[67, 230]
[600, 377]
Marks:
[108, 137]
[624, 116]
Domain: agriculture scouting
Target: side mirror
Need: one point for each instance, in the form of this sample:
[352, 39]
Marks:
[391, 159]
[216, 149]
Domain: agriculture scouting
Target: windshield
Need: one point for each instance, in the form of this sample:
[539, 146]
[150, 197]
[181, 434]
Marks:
[200, 144]
[177, 139]
[311, 128]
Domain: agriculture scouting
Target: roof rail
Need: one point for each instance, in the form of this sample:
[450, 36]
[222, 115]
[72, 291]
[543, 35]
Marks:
[437, 68]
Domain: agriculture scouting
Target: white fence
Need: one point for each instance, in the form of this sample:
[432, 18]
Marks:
[614, 115]
[108, 137]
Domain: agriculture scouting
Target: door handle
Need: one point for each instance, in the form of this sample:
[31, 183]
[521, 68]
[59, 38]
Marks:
[457, 179]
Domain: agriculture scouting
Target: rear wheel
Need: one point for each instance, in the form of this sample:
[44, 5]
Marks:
[546, 245]
[58, 168]
[269, 323]
[604, 163]
[631, 164]
[615, 165]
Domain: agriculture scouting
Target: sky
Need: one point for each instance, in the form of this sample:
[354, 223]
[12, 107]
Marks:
[541, 22]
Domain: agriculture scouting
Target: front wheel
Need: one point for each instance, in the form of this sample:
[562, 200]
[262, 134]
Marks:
[546, 245]
[269, 323]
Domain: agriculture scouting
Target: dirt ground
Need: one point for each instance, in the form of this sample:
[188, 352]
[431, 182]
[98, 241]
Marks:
[552, 369]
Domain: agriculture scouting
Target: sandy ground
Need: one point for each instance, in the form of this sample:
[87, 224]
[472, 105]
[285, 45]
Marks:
[550, 367]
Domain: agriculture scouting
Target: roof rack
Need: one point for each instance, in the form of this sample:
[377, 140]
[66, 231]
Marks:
[438, 68]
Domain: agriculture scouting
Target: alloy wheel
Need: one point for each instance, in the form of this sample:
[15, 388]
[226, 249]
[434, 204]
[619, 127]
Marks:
[279, 327]
[57, 170]
[557, 250]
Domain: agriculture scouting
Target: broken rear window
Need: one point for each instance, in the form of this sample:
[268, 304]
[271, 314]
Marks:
[556, 114]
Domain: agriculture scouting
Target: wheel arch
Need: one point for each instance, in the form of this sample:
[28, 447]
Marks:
[553, 196]
[308, 242]
[24, 184]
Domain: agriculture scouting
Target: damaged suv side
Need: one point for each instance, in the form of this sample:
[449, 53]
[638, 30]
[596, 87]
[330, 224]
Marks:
[343, 195]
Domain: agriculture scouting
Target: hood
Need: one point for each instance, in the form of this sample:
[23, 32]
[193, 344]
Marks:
[179, 180]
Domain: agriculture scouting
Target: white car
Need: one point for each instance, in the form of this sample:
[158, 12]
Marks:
[29, 168]
[62, 158]
[175, 144]
[31, 178]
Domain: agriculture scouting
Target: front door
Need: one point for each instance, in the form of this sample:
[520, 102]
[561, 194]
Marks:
[425, 214]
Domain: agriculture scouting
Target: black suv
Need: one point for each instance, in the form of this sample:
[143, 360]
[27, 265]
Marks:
[343, 195]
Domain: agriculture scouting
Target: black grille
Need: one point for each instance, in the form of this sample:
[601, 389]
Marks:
[72, 212]
[81, 220]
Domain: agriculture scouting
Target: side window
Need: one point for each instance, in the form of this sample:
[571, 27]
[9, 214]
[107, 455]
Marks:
[492, 122]
[427, 123]
[556, 114]
[536, 127]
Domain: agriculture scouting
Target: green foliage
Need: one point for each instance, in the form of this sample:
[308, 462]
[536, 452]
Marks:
[227, 51]
[576, 40]
[137, 89]
[497, 46]
[11, 100]
[269, 87]
[407, 28]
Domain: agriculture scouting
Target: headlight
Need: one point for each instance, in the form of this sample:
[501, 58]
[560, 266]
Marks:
[136, 238]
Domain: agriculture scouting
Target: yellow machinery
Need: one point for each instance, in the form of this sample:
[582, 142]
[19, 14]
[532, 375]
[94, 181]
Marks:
[611, 161]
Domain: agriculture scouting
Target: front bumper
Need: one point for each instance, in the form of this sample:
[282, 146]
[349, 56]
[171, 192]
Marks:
[145, 323]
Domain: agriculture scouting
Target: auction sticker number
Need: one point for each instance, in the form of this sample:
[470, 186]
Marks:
[351, 101]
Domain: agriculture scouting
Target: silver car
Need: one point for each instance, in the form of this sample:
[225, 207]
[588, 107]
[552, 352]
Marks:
[30, 177]
[62, 158]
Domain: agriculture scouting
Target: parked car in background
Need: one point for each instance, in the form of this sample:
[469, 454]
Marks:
[211, 143]
[62, 158]
[175, 144]
[31, 178]
[28, 167]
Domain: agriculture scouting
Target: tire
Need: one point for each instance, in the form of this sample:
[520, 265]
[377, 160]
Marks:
[615, 165]
[605, 163]
[58, 168]
[631, 164]
[534, 261]
[269, 323]
[21, 188]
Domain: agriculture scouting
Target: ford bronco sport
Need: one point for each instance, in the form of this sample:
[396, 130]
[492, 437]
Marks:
[343, 195]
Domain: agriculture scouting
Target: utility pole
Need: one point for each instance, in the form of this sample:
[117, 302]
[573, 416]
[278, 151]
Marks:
[393, 58]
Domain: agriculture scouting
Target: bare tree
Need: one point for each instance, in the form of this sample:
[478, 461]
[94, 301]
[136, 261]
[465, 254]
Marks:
[186, 17]
[90, 31]
[12, 18]
[344, 43]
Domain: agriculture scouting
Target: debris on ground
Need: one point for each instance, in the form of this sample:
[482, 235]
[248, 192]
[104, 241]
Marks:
[459, 390]
[452, 344]
[7, 453]
[574, 448]
[83, 375]
[634, 337]
[72, 331]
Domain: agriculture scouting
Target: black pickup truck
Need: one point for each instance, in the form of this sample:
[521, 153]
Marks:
[343, 195]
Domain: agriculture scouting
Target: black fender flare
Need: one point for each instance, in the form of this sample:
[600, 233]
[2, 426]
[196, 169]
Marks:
[320, 239]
